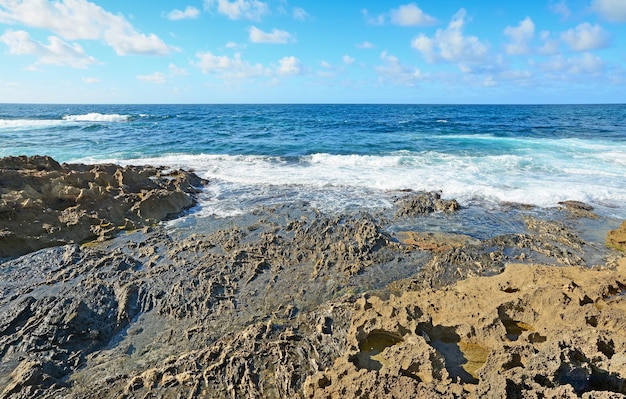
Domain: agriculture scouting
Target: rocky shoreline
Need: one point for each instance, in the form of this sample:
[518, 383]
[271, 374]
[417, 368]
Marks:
[291, 302]
[44, 203]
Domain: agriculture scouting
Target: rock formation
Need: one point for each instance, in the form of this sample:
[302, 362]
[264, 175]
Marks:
[532, 331]
[290, 302]
[44, 203]
[617, 238]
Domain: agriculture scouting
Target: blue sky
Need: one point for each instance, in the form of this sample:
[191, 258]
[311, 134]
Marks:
[289, 51]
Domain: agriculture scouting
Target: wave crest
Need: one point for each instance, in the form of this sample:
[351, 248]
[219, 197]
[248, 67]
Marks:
[97, 117]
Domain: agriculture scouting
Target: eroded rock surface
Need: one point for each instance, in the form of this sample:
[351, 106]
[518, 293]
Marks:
[424, 203]
[44, 203]
[532, 331]
[617, 238]
[290, 302]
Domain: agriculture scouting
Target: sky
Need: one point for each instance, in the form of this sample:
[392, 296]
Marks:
[306, 51]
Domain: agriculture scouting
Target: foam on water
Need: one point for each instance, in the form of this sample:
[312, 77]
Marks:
[338, 182]
[20, 124]
[339, 157]
[97, 117]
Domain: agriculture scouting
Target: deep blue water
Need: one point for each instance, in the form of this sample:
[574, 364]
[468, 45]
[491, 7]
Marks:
[341, 156]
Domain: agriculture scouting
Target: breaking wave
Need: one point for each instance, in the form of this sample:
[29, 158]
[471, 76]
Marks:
[97, 117]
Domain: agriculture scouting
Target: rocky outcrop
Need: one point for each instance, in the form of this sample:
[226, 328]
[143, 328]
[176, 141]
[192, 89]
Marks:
[532, 331]
[617, 238]
[44, 203]
[288, 301]
[424, 203]
[578, 209]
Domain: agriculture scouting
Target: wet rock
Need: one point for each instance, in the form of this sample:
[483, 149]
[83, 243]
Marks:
[59, 305]
[29, 380]
[279, 303]
[44, 203]
[424, 203]
[579, 209]
[617, 238]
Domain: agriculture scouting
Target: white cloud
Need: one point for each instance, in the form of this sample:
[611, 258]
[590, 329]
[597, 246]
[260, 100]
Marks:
[189, 13]
[405, 15]
[228, 67]
[395, 72]
[90, 80]
[235, 68]
[611, 10]
[56, 52]
[289, 66]
[450, 44]
[410, 15]
[239, 9]
[561, 9]
[276, 36]
[520, 36]
[550, 46]
[365, 45]
[157, 77]
[300, 14]
[177, 71]
[347, 60]
[584, 64]
[586, 37]
[160, 77]
[489, 81]
[325, 64]
[379, 20]
[83, 20]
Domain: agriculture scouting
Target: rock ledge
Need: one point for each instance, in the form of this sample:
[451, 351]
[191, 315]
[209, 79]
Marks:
[44, 203]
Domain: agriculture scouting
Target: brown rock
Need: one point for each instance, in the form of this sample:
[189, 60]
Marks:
[44, 203]
[579, 209]
[434, 241]
[424, 203]
[617, 238]
[532, 331]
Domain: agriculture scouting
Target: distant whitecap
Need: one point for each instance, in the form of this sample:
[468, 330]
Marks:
[96, 117]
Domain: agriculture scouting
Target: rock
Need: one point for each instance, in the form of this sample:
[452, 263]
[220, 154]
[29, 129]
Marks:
[617, 238]
[532, 331]
[43, 203]
[434, 241]
[29, 380]
[579, 209]
[288, 301]
[424, 203]
[37, 162]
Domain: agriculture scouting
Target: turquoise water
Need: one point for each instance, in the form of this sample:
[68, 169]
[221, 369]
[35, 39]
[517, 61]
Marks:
[347, 156]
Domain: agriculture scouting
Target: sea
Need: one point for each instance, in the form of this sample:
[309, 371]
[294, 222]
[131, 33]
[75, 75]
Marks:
[341, 158]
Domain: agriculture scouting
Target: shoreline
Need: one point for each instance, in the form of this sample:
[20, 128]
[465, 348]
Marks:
[288, 301]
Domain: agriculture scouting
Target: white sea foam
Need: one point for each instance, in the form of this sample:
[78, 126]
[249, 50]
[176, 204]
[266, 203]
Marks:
[347, 181]
[19, 124]
[16, 124]
[96, 117]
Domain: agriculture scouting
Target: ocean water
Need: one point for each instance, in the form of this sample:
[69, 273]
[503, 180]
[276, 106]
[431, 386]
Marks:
[345, 157]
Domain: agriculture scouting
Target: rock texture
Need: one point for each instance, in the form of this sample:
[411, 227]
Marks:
[424, 203]
[289, 302]
[532, 331]
[617, 238]
[44, 203]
